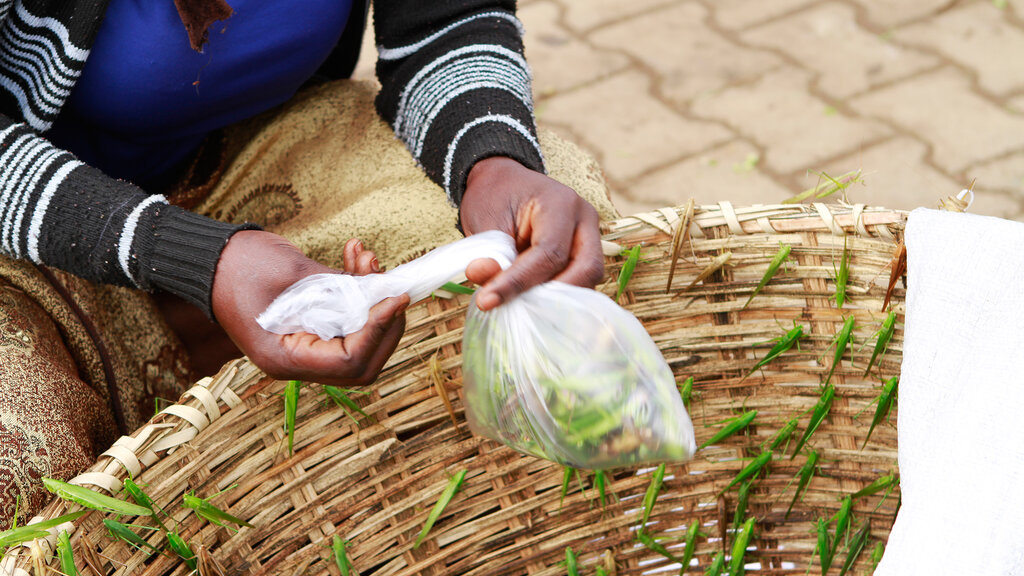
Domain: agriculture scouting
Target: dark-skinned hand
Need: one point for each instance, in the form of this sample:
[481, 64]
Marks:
[254, 268]
[556, 231]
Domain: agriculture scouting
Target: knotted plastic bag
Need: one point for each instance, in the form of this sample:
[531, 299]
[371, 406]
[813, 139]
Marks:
[560, 372]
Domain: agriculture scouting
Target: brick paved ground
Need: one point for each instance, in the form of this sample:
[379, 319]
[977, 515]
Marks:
[739, 99]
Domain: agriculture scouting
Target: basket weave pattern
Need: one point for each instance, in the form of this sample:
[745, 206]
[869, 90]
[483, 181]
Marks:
[374, 480]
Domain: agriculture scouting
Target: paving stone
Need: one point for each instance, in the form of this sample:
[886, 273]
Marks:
[1016, 105]
[980, 37]
[558, 60]
[996, 203]
[848, 58]
[366, 65]
[962, 127]
[689, 57]
[1005, 175]
[739, 14]
[626, 128]
[730, 172]
[891, 13]
[797, 130]
[895, 174]
[582, 15]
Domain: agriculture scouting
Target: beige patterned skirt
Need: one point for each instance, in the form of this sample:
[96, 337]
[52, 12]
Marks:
[81, 364]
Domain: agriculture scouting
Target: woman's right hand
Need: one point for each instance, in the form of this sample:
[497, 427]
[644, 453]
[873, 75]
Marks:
[254, 268]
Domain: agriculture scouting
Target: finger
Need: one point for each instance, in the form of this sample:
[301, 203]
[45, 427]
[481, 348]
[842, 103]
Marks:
[367, 263]
[392, 335]
[351, 252]
[549, 252]
[482, 270]
[365, 342]
[308, 357]
[586, 265]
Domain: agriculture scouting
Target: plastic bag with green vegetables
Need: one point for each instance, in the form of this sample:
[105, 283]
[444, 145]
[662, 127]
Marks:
[560, 372]
[564, 373]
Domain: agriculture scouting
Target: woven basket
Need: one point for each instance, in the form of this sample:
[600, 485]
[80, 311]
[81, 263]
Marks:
[373, 480]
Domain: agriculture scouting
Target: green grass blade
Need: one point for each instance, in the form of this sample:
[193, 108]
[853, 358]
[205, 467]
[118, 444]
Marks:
[94, 500]
[453, 487]
[773, 267]
[633, 256]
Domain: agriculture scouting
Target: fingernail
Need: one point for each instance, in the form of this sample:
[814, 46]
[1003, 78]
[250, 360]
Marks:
[374, 265]
[359, 245]
[487, 300]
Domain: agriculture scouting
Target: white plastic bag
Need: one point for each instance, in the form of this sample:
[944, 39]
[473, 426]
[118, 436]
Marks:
[560, 372]
[331, 305]
[564, 373]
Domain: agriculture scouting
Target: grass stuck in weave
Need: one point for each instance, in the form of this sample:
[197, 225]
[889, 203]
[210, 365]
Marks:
[374, 481]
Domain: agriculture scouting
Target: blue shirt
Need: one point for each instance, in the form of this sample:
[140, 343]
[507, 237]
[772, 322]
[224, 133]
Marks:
[145, 99]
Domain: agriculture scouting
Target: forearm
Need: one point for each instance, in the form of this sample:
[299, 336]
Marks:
[57, 211]
[455, 86]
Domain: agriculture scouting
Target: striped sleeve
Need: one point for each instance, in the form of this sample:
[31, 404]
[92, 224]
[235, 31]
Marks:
[57, 211]
[455, 85]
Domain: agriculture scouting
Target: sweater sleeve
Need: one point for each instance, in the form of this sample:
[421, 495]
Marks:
[455, 85]
[57, 211]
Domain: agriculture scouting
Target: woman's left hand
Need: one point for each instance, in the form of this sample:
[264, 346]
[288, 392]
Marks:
[556, 231]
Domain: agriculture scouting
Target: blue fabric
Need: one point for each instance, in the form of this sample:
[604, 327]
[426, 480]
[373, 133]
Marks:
[146, 100]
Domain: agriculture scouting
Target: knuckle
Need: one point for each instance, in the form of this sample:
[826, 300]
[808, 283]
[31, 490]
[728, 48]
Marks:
[555, 256]
[593, 271]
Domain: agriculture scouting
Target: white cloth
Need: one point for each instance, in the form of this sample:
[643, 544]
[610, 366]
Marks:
[961, 395]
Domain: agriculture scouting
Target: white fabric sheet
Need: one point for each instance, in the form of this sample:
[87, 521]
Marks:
[961, 400]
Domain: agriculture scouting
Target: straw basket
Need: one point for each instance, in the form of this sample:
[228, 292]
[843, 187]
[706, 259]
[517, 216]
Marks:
[373, 480]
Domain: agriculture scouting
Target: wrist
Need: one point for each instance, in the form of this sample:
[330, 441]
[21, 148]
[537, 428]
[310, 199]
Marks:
[491, 167]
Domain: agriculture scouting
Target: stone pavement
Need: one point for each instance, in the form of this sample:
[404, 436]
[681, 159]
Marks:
[749, 100]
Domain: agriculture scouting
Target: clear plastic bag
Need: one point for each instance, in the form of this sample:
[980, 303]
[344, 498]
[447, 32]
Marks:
[560, 372]
[564, 373]
[332, 305]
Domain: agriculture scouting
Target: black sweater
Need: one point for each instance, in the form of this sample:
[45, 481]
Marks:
[455, 88]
